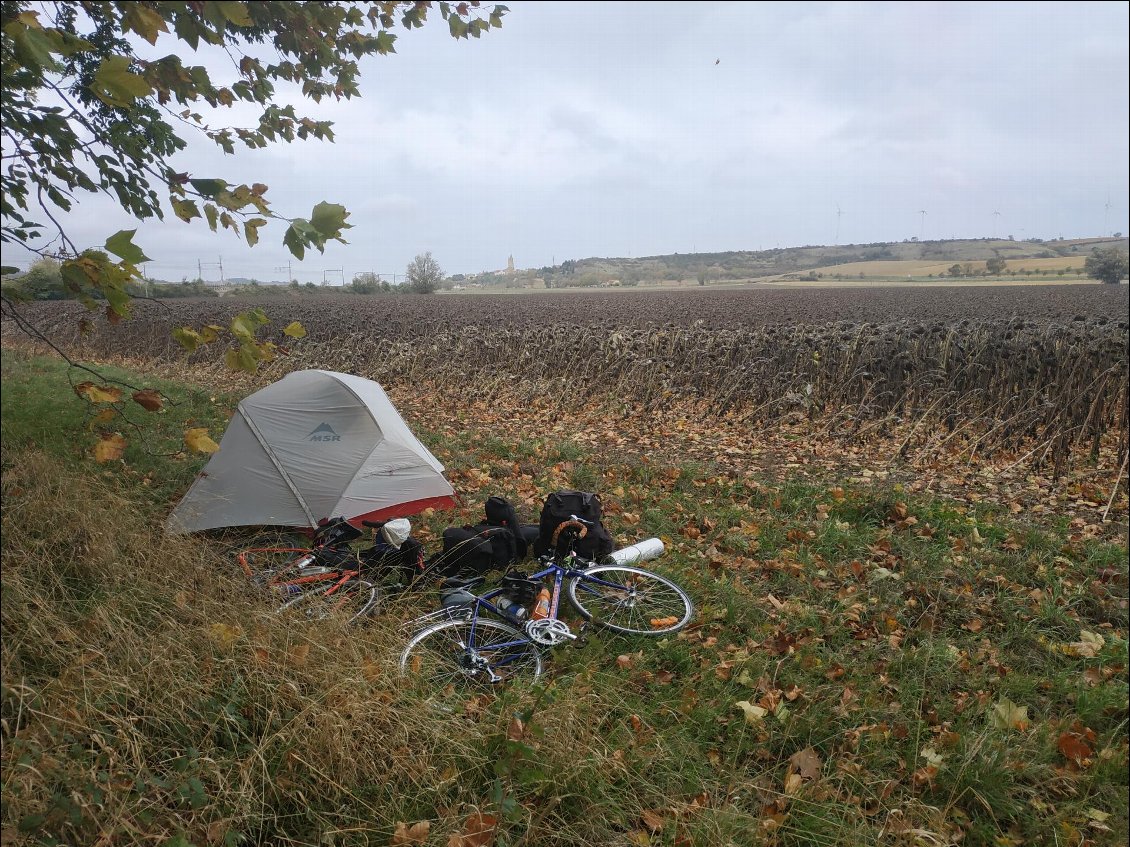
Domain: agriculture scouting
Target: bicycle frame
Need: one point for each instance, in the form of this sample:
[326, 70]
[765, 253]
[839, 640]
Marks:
[290, 585]
[560, 573]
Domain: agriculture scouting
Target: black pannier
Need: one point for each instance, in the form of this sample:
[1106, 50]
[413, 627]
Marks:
[493, 544]
[559, 507]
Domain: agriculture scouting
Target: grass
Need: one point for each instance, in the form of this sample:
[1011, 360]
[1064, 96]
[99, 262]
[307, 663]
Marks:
[149, 697]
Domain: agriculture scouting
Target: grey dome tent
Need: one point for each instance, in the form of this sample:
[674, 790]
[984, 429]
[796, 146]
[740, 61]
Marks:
[316, 444]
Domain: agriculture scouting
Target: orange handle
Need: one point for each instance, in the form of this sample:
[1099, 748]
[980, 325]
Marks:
[565, 525]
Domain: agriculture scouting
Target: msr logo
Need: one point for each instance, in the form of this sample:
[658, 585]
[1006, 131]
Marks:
[323, 432]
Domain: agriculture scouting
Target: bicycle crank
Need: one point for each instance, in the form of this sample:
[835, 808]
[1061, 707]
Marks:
[548, 632]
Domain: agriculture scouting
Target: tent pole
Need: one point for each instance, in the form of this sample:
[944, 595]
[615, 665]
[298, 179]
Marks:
[271, 455]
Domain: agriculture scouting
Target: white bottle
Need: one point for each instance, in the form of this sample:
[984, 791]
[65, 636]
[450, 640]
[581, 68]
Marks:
[649, 548]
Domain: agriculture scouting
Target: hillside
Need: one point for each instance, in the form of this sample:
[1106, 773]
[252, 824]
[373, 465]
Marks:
[920, 258]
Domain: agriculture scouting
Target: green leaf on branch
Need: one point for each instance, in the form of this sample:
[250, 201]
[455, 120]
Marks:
[144, 21]
[187, 338]
[208, 187]
[212, 214]
[329, 219]
[246, 358]
[121, 245]
[115, 85]
[251, 230]
[235, 12]
[185, 209]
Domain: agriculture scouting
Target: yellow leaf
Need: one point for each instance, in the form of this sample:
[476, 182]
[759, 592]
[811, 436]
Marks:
[1008, 715]
[197, 439]
[109, 448]
[753, 714]
[295, 330]
[98, 393]
[793, 783]
[103, 416]
[224, 634]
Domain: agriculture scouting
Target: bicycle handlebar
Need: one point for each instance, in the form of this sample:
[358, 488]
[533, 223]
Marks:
[575, 523]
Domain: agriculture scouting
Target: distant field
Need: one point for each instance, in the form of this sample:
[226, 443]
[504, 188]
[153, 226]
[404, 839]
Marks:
[920, 268]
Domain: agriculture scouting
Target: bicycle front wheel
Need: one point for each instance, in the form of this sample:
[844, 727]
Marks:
[467, 652]
[354, 600]
[630, 600]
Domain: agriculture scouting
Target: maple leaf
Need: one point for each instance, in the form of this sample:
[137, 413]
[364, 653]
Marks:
[224, 634]
[753, 714]
[109, 448]
[1008, 715]
[409, 836]
[1074, 748]
[148, 399]
[478, 831]
[196, 438]
[98, 393]
[807, 763]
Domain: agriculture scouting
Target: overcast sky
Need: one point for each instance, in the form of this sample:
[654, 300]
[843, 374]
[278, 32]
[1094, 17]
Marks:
[635, 129]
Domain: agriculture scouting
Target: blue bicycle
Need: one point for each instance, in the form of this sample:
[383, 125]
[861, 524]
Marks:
[491, 638]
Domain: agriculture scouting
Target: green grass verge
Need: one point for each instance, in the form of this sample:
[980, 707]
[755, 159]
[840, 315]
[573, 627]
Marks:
[912, 670]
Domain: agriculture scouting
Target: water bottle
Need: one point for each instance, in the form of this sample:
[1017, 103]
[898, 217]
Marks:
[541, 606]
[510, 608]
[649, 548]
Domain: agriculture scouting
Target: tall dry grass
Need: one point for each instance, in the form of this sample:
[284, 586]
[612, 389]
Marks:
[149, 694]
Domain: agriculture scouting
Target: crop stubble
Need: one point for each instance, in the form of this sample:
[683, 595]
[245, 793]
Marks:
[1039, 370]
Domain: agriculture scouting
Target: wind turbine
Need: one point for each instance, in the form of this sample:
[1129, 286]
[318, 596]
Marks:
[838, 213]
[1106, 216]
[922, 230]
[996, 220]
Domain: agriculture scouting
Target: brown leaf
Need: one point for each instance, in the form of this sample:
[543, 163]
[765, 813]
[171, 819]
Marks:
[653, 820]
[408, 836]
[148, 399]
[1074, 748]
[807, 763]
[478, 831]
[298, 654]
[110, 447]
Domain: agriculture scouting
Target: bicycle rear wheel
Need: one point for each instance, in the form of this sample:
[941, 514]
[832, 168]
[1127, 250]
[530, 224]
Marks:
[355, 600]
[467, 652]
[630, 600]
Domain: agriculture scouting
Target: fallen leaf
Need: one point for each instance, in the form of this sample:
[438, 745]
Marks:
[109, 448]
[407, 836]
[1008, 715]
[478, 831]
[148, 399]
[1074, 748]
[225, 634]
[298, 654]
[98, 393]
[197, 439]
[652, 820]
[807, 763]
[753, 714]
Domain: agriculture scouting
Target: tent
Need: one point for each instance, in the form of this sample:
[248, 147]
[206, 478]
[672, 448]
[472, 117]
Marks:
[315, 444]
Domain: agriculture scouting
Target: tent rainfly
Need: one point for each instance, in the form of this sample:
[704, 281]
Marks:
[315, 444]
